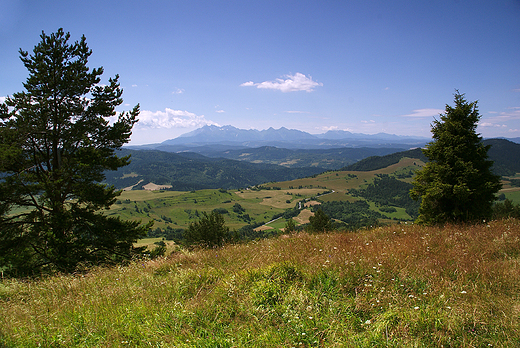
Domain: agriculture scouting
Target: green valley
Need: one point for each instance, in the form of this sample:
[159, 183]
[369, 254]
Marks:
[353, 199]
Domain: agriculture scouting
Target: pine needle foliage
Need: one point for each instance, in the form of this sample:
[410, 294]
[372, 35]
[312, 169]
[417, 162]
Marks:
[56, 142]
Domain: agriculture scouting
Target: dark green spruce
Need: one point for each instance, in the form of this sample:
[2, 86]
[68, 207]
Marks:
[457, 184]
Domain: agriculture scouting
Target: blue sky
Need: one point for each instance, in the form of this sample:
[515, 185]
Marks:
[364, 66]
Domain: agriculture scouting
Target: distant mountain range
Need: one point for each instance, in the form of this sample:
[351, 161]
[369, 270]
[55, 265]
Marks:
[229, 137]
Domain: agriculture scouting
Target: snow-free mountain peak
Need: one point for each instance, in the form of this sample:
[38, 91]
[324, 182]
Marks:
[289, 138]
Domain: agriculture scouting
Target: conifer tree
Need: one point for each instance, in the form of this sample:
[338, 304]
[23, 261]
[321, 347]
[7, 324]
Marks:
[457, 184]
[320, 222]
[210, 231]
[290, 226]
[55, 144]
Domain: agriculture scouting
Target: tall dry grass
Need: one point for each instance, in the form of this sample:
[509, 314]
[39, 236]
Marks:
[396, 286]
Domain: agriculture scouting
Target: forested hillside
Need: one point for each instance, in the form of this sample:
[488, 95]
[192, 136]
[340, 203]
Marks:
[235, 168]
[188, 171]
[379, 162]
[504, 153]
[388, 192]
[506, 156]
[330, 159]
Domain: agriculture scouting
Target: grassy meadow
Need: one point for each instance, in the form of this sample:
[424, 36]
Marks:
[393, 286]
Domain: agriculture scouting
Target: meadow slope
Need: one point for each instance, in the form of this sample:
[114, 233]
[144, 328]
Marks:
[394, 286]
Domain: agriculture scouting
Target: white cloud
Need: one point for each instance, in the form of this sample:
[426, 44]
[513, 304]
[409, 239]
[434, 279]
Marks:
[512, 113]
[290, 83]
[425, 113]
[296, 112]
[220, 111]
[504, 123]
[491, 124]
[171, 119]
[134, 85]
[2, 99]
[326, 129]
[178, 91]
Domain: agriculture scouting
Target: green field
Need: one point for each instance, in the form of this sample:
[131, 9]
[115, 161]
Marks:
[178, 209]
[185, 207]
[513, 195]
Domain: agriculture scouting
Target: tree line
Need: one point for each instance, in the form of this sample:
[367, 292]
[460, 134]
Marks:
[388, 191]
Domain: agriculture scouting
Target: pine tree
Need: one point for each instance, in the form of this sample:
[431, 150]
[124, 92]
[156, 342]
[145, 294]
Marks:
[320, 222]
[55, 143]
[457, 184]
[209, 231]
[290, 226]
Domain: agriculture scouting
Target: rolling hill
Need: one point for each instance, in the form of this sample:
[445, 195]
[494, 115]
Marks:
[242, 167]
[190, 171]
[330, 159]
[504, 153]
[354, 198]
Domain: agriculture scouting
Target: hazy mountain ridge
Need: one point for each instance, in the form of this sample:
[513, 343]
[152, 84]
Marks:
[229, 137]
[229, 157]
[282, 137]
